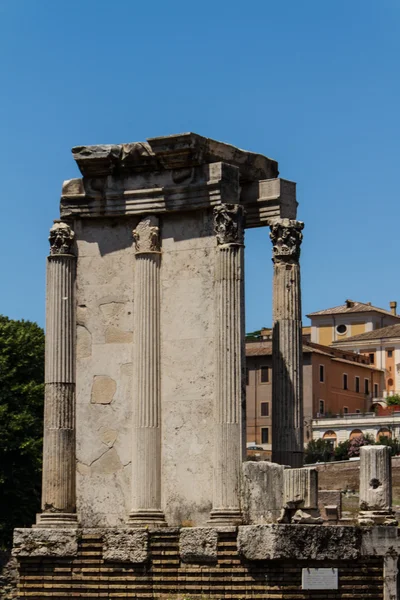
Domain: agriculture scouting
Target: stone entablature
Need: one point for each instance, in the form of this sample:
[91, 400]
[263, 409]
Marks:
[175, 173]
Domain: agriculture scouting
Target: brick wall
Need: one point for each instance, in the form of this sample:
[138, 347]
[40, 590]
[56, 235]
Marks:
[166, 577]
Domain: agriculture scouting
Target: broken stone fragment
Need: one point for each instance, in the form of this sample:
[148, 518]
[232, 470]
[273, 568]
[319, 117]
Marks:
[125, 545]
[45, 542]
[198, 544]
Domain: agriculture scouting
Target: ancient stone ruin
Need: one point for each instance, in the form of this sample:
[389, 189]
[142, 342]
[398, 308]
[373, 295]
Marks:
[146, 491]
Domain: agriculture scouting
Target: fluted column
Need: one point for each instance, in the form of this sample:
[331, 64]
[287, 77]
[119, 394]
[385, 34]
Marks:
[146, 431]
[287, 355]
[229, 313]
[58, 492]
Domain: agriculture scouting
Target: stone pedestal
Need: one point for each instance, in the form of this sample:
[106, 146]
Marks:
[229, 313]
[287, 358]
[376, 486]
[146, 432]
[58, 492]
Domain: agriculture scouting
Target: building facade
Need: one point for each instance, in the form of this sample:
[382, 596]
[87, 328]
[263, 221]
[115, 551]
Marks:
[382, 346]
[350, 319]
[335, 382]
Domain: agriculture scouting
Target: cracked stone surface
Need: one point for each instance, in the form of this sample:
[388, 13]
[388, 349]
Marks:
[198, 544]
[45, 542]
[125, 545]
[302, 542]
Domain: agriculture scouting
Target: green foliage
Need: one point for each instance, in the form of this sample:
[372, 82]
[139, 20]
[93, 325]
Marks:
[21, 423]
[393, 400]
[318, 451]
[393, 443]
[358, 441]
[342, 451]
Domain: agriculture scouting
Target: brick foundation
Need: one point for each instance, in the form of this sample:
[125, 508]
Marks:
[165, 576]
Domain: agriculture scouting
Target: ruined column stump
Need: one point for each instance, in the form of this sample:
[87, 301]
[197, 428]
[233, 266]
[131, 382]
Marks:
[376, 486]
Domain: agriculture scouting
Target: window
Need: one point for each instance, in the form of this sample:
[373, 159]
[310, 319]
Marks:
[341, 329]
[247, 376]
[321, 407]
[372, 358]
[345, 410]
[357, 385]
[264, 435]
[390, 353]
[264, 409]
[357, 411]
[345, 381]
[321, 373]
[366, 386]
[264, 375]
[376, 390]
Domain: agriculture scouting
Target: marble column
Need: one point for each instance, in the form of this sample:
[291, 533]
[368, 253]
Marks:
[58, 492]
[146, 431]
[287, 355]
[376, 486]
[230, 363]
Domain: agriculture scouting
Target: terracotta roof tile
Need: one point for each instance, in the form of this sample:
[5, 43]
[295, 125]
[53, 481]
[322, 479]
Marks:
[351, 306]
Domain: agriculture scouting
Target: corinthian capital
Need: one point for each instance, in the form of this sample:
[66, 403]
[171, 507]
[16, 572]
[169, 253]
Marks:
[61, 238]
[147, 235]
[228, 224]
[286, 239]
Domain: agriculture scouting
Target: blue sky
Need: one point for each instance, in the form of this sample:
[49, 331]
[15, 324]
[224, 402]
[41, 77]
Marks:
[313, 84]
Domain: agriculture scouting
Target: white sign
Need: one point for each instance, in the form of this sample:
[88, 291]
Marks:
[319, 579]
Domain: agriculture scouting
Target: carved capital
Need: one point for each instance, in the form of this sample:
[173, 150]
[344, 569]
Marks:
[286, 239]
[147, 235]
[61, 238]
[228, 224]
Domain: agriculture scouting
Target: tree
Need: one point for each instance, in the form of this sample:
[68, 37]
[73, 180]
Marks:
[318, 451]
[21, 424]
[393, 443]
[342, 451]
[358, 441]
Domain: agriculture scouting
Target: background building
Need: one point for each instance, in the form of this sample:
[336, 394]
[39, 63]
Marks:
[350, 319]
[335, 382]
[382, 346]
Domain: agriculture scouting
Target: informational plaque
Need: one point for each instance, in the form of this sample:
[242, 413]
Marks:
[319, 579]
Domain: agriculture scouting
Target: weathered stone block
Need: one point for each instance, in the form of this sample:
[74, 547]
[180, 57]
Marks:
[103, 389]
[302, 542]
[125, 545]
[262, 492]
[198, 544]
[301, 488]
[45, 542]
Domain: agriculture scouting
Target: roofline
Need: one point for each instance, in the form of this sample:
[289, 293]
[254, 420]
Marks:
[379, 311]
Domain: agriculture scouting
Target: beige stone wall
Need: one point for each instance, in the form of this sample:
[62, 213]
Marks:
[104, 293]
[187, 366]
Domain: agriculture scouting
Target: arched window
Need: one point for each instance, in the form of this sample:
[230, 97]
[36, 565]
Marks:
[383, 432]
[331, 437]
[356, 433]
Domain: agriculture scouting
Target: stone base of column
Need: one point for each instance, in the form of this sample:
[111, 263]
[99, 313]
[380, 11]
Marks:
[147, 518]
[51, 520]
[376, 517]
[225, 516]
